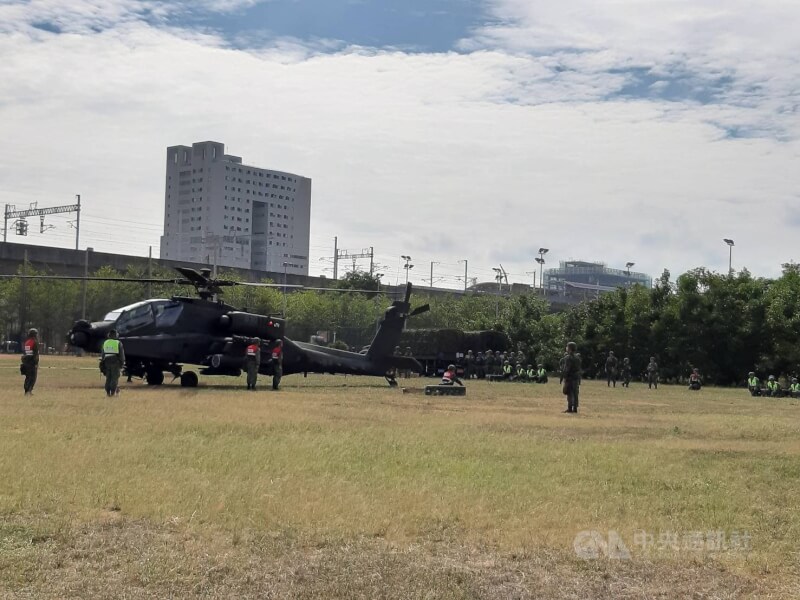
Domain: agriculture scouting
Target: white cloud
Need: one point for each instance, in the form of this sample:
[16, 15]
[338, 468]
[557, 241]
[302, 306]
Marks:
[484, 155]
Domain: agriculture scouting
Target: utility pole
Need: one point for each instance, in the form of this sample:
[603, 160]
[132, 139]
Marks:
[78, 222]
[432, 263]
[498, 275]
[336, 258]
[284, 289]
[23, 309]
[371, 260]
[150, 272]
[466, 263]
[85, 284]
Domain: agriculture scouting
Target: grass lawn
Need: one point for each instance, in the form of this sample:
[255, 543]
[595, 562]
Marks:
[342, 487]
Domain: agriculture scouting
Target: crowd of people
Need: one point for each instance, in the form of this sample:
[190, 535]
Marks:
[773, 387]
[511, 366]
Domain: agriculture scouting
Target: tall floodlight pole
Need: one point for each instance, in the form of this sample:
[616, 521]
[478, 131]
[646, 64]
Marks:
[628, 268]
[540, 260]
[408, 265]
[730, 255]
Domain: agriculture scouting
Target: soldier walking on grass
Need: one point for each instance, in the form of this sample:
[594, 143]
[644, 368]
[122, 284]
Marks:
[611, 369]
[112, 360]
[626, 372]
[252, 361]
[29, 367]
[652, 373]
[571, 376]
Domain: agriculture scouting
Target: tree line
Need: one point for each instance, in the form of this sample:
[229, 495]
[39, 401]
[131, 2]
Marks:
[725, 325]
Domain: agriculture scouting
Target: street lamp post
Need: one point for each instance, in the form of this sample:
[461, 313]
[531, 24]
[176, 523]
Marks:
[628, 268]
[540, 260]
[466, 263]
[730, 255]
[408, 265]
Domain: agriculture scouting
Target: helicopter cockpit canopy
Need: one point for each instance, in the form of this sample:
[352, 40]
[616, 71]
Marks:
[161, 313]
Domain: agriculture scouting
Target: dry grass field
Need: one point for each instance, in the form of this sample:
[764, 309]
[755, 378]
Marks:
[342, 488]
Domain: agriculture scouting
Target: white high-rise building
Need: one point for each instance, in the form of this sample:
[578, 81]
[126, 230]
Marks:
[246, 217]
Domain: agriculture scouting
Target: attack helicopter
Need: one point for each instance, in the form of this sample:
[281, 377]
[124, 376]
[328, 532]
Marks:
[165, 335]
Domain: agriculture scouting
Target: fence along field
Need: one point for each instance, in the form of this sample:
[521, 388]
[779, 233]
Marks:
[341, 487]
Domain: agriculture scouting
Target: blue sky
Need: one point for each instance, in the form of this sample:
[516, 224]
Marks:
[413, 25]
[613, 131]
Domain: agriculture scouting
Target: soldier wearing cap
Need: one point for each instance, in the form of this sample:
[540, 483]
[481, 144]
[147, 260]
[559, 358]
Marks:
[29, 366]
[112, 359]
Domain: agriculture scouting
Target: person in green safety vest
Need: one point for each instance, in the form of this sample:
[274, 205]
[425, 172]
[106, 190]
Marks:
[508, 372]
[794, 389]
[531, 373]
[541, 375]
[521, 373]
[773, 387]
[753, 384]
[112, 360]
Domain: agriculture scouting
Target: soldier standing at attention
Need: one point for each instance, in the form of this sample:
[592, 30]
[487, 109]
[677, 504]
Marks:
[112, 359]
[611, 369]
[252, 361]
[469, 365]
[489, 362]
[571, 375]
[479, 366]
[30, 361]
[277, 364]
[652, 373]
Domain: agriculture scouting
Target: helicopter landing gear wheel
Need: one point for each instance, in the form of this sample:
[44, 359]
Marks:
[189, 379]
[155, 376]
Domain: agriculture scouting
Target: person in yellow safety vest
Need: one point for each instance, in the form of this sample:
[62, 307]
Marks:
[112, 360]
[252, 361]
[794, 389]
[521, 374]
[773, 388]
[541, 375]
[753, 384]
[531, 373]
[507, 370]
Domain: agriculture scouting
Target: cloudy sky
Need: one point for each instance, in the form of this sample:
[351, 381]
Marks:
[625, 130]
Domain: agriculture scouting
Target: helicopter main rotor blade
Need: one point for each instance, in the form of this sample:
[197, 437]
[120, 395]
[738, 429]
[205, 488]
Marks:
[419, 310]
[80, 278]
[266, 285]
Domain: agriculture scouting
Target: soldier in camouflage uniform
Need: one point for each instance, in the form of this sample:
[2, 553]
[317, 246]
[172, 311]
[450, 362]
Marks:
[277, 364]
[489, 361]
[252, 361]
[571, 375]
